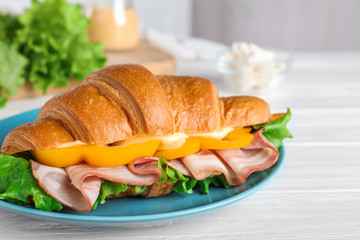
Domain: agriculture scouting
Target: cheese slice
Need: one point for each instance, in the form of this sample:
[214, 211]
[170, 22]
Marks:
[71, 144]
[220, 134]
[167, 142]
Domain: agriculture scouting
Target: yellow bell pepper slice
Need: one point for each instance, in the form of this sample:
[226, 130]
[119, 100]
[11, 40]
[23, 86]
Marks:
[191, 146]
[211, 143]
[96, 155]
[59, 157]
[237, 134]
[237, 138]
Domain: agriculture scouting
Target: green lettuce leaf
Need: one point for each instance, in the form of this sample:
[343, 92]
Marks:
[112, 188]
[276, 131]
[184, 184]
[53, 37]
[12, 66]
[216, 180]
[109, 188]
[17, 184]
[12, 63]
[9, 24]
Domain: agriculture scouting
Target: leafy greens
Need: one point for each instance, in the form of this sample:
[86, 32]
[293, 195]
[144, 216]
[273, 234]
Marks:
[184, 184]
[53, 37]
[276, 131]
[47, 45]
[12, 63]
[8, 26]
[112, 188]
[12, 66]
[17, 184]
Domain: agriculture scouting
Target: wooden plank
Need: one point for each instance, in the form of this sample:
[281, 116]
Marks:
[325, 126]
[156, 60]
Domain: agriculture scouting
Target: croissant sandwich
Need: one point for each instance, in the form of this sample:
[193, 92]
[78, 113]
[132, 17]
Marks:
[125, 132]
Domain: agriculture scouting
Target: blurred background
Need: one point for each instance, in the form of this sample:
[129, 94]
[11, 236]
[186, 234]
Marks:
[296, 25]
[184, 37]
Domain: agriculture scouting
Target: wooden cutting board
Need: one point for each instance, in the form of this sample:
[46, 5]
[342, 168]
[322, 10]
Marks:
[156, 60]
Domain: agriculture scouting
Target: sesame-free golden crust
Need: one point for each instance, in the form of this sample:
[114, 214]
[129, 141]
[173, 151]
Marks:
[36, 135]
[88, 115]
[122, 101]
[140, 95]
[243, 111]
[194, 102]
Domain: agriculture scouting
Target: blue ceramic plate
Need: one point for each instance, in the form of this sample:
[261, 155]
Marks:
[134, 211]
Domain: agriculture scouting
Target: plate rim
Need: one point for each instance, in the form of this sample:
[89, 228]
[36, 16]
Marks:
[140, 218]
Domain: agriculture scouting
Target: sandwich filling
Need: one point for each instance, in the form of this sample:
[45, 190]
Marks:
[170, 147]
[78, 186]
[84, 182]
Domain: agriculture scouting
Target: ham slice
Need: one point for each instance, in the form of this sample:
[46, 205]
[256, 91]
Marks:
[235, 164]
[178, 165]
[78, 186]
[204, 164]
[145, 165]
[56, 182]
[261, 154]
[121, 174]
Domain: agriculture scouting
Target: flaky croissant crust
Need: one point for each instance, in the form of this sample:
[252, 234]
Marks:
[123, 101]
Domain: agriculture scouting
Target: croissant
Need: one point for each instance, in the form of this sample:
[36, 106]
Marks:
[124, 102]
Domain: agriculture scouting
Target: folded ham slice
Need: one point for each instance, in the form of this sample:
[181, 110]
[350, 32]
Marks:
[56, 182]
[204, 164]
[178, 165]
[261, 154]
[121, 174]
[145, 165]
[236, 164]
[78, 186]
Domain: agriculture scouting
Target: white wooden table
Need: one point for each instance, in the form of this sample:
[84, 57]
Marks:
[316, 194]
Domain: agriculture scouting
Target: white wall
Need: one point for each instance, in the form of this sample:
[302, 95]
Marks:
[170, 16]
[305, 25]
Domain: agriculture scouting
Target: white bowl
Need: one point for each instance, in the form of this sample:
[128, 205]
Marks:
[244, 77]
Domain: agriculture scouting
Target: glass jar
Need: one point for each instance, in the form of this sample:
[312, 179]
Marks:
[115, 23]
